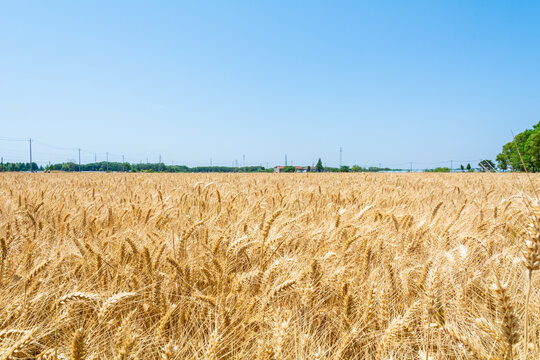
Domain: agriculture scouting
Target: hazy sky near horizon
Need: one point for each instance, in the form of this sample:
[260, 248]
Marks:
[389, 81]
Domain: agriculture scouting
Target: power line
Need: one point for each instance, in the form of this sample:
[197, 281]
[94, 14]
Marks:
[53, 146]
[42, 155]
[12, 139]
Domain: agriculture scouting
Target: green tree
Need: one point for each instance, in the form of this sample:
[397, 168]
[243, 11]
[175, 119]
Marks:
[501, 160]
[319, 167]
[289, 169]
[469, 167]
[487, 165]
[69, 166]
[515, 151]
[523, 152]
[462, 168]
[532, 145]
[356, 168]
[439, 169]
[344, 168]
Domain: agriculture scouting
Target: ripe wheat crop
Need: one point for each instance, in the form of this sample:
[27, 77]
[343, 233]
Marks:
[269, 266]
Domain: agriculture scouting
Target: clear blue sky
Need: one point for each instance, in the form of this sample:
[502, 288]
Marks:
[389, 81]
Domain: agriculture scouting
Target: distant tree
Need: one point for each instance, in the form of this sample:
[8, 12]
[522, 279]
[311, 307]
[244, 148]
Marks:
[517, 151]
[69, 166]
[319, 167]
[469, 167]
[356, 168]
[462, 168]
[344, 168]
[440, 169]
[503, 163]
[289, 169]
[486, 165]
[523, 152]
[533, 148]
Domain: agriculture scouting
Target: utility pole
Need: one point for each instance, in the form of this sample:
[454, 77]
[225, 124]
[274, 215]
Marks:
[2, 164]
[285, 159]
[340, 156]
[79, 160]
[243, 160]
[95, 158]
[210, 162]
[451, 165]
[122, 163]
[31, 167]
[107, 153]
[411, 166]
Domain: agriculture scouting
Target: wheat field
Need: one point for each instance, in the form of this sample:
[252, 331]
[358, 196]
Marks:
[269, 266]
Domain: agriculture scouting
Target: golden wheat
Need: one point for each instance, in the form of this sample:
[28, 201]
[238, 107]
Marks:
[269, 266]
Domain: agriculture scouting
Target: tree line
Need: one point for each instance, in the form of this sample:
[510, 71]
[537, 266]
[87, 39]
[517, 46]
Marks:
[105, 166]
[149, 167]
[19, 166]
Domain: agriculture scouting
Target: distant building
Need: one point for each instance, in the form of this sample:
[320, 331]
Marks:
[278, 169]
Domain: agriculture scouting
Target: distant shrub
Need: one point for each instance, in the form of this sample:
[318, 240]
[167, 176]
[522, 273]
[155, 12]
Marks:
[289, 169]
[439, 169]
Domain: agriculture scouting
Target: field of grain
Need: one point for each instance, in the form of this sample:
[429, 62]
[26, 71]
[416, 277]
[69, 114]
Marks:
[268, 266]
